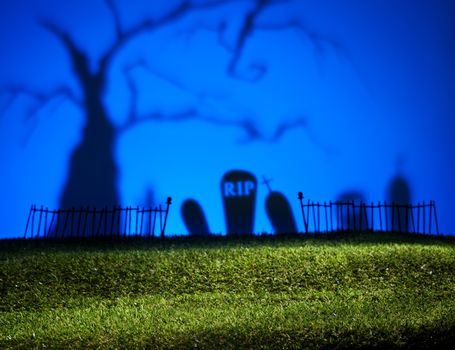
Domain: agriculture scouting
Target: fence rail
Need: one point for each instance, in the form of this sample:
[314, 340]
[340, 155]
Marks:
[105, 222]
[360, 216]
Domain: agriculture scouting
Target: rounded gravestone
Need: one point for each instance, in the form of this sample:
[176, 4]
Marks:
[280, 213]
[194, 218]
[238, 190]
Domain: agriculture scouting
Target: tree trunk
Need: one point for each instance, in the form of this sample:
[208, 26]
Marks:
[92, 173]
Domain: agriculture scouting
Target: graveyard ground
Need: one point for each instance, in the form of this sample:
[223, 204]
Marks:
[337, 291]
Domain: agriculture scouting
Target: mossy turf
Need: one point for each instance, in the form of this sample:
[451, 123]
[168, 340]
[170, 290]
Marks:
[331, 291]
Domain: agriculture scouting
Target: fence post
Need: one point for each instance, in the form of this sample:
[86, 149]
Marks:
[39, 221]
[300, 197]
[79, 221]
[423, 216]
[399, 207]
[51, 224]
[407, 219]
[372, 217]
[168, 203]
[137, 220]
[126, 220]
[314, 216]
[366, 216]
[331, 217]
[112, 232]
[28, 221]
[67, 212]
[386, 217]
[93, 212]
[142, 219]
[58, 223]
[100, 223]
[309, 210]
[412, 218]
[326, 219]
[339, 216]
[361, 217]
[353, 216]
[33, 220]
[418, 218]
[393, 215]
[435, 217]
[161, 222]
[319, 217]
[155, 212]
[106, 212]
[41, 214]
[45, 222]
[84, 234]
[72, 223]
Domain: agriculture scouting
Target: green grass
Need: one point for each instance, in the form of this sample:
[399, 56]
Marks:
[345, 291]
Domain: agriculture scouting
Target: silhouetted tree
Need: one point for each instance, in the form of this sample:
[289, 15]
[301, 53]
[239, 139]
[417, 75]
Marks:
[92, 173]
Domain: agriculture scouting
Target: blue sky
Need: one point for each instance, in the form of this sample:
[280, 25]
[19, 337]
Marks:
[370, 82]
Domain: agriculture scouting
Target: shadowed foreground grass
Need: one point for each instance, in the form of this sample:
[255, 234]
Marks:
[364, 290]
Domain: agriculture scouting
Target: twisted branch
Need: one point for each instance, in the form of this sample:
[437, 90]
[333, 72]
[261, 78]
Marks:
[149, 25]
[42, 99]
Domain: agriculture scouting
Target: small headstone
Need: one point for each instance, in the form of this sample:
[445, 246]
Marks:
[238, 190]
[280, 213]
[194, 218]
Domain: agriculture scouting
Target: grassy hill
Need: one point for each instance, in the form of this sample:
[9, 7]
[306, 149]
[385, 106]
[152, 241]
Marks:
[285, 292]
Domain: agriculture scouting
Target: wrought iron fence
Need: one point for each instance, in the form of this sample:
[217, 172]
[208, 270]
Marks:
[93, 222]
[360, 216]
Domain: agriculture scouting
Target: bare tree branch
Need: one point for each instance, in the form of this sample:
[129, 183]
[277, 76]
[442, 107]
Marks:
[80, 61]
[141, 64]
[285, 127]
[318, 40]
[251, 132]
[251, 24]
[175, 83]
[255, 71]
[247, 125]
[320, 44]
[42, 99]
[116, 16]
[149, 25]
[133, 119]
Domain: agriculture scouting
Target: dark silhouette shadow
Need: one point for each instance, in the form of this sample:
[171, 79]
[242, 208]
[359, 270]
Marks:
[280, 213]
[399, 196]
[238, 190]
[352, 219]
[92, 172]
[399, 193]
[194, 218]
[149, 199]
